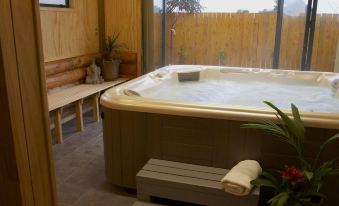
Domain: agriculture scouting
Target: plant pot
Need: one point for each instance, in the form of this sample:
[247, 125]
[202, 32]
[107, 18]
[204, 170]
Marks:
[110, 69]
[267, 193]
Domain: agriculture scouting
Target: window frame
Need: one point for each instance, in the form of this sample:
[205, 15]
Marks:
[306, 59]
[67, 5]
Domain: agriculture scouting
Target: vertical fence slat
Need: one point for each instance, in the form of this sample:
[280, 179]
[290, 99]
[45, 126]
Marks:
[247, 39]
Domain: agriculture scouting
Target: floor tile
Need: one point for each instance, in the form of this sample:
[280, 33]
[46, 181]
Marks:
[69, 193]
[80, 169]
[96, 198]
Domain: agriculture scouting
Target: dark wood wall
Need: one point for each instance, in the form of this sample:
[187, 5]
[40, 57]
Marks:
[9, 179]
[26, 165]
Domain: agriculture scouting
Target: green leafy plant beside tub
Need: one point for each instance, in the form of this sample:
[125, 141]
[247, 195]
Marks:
[301, 185]
[110, 66]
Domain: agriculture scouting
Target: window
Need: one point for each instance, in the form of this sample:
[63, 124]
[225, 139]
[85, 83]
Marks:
[55, 3]
[221, 32]
[279, 34]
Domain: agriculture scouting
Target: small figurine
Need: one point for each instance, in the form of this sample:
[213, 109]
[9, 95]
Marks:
[94, 74]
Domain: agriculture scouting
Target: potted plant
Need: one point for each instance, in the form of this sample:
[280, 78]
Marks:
[295, 185]
[110, 66]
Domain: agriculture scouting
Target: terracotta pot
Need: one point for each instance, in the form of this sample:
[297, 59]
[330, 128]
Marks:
[110, 69]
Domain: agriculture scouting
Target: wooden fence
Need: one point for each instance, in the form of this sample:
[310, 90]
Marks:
[247, 40]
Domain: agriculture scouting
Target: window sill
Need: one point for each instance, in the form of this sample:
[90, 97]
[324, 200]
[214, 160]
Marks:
[44, 8]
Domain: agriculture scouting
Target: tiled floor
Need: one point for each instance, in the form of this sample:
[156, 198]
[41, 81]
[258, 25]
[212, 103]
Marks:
[79, 164]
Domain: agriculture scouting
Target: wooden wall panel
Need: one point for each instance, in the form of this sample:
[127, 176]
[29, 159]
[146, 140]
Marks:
[125, 17]
[70, 32]
[24, 109]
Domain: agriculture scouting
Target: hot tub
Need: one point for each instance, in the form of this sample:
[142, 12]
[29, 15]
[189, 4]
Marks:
[231, 93]
[198, 121]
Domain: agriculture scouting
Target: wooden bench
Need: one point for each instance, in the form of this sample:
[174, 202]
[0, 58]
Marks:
[138, 203]
[65, 83]
[188, 183]
[77, 94]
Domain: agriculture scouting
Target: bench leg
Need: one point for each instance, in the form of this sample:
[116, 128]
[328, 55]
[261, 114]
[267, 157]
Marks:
[95, 105]
[80, 120]
[58, 126]
[144, 197]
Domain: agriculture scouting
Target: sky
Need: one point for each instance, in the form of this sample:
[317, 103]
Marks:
[324, 6]
[292, 7]
[234, 6]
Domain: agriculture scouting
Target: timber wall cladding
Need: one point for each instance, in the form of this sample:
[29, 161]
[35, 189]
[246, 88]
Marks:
[125, 17]
[70, 32]
[247, 39]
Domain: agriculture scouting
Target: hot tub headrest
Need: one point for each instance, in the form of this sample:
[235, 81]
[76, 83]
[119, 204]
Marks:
[188, 76]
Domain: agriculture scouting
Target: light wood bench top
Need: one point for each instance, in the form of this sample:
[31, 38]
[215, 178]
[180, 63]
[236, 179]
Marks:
[138, 203]
[72, 94]
[189, 183]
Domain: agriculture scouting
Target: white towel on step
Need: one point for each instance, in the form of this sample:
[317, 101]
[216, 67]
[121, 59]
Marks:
[238, 180]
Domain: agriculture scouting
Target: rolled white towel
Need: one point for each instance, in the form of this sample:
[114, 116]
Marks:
[238, 180]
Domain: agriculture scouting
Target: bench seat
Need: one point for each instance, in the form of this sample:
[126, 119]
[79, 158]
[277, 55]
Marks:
[76, 94]
[138, 203]
[188, 183]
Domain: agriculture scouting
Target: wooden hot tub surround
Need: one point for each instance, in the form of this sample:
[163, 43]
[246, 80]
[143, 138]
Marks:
[137, 129]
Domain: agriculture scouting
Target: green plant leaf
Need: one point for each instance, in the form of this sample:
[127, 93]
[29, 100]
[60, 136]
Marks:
[297, 132]
[112, 45]
[273, 129]
[270, 177]
[328, 141]
[322, 147]
[283, 199]
[299, 125]
[264, 182]
[297, 119]
[324, 170]
[306, 165]
[309, 175]
[274, 201]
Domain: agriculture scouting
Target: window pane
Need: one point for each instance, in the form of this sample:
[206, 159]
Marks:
[157, 26]
[325, 56]
[226, 32]
[293, 32]
[54, 2]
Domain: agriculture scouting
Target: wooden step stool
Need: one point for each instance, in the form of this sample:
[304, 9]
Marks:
[188, 183]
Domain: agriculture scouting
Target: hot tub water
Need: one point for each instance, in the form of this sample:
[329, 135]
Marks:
[250, 90]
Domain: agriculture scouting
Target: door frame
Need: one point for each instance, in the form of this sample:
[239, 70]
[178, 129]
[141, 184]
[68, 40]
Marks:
[27, 167]
[306, 56]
